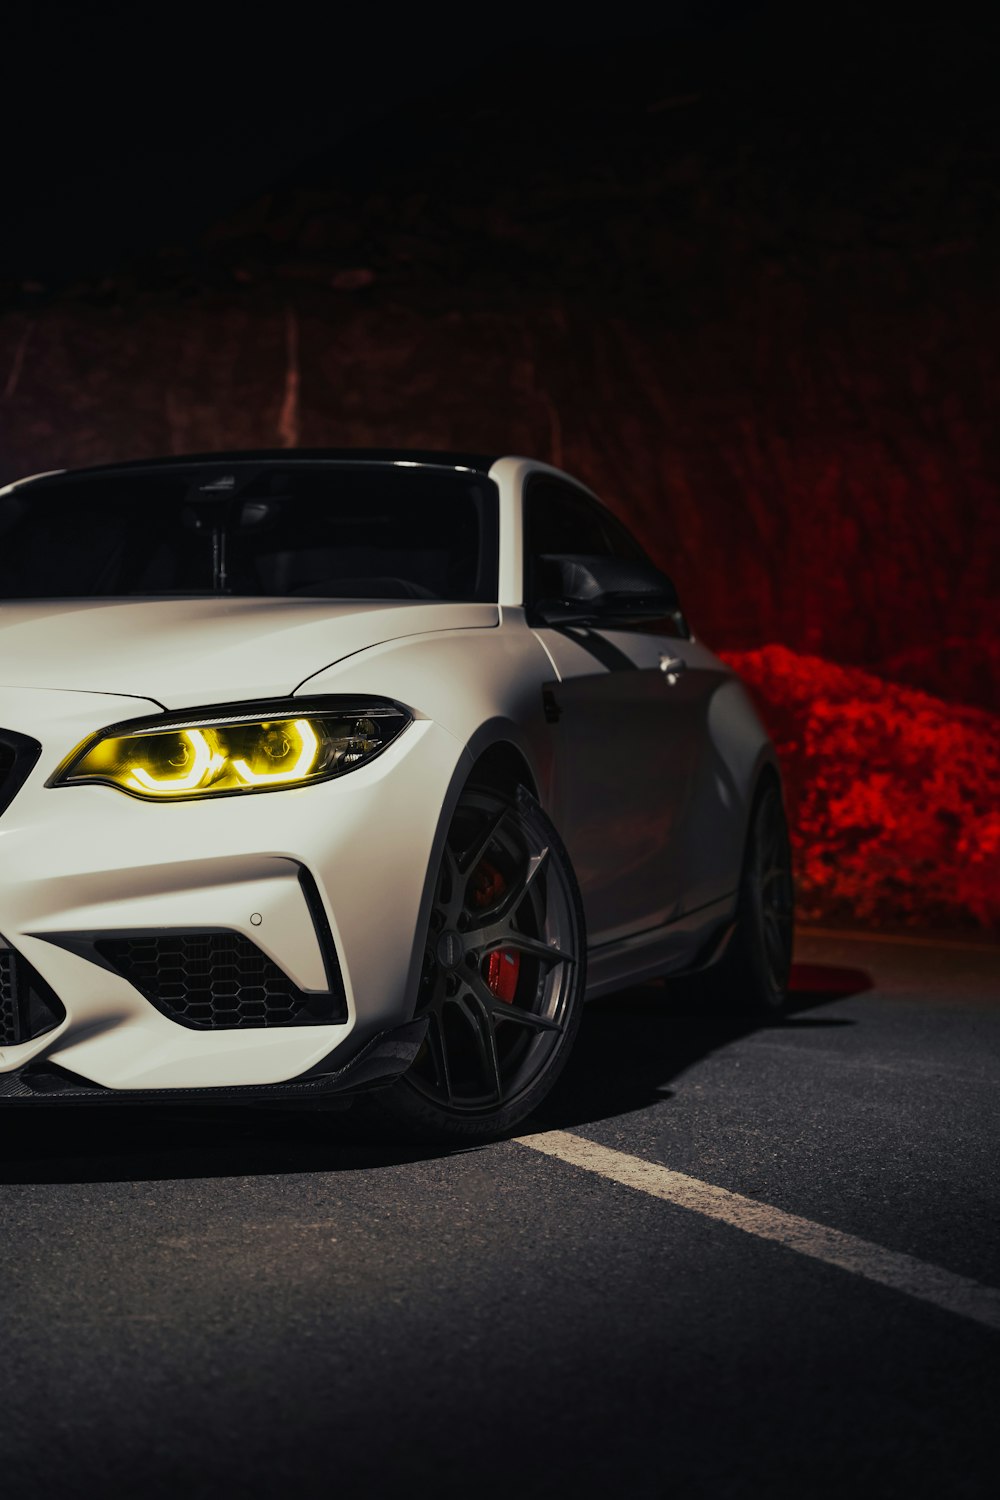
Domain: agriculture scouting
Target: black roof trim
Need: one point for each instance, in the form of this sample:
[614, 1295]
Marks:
[479, 462]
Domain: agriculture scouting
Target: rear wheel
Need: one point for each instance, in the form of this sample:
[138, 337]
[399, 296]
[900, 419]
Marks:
[503, 977]
[754, 972]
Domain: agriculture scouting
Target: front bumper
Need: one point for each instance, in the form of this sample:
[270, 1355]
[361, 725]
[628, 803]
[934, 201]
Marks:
[80, 862]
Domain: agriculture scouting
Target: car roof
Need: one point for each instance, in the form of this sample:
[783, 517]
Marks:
[479, 463]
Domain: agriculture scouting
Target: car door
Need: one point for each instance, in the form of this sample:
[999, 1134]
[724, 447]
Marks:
[625, 730]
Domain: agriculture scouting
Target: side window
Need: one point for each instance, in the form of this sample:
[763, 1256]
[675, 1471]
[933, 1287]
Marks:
[560, 520]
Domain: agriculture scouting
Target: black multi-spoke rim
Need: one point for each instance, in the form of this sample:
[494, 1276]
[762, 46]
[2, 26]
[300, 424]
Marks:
[772, 888]
[501, 949]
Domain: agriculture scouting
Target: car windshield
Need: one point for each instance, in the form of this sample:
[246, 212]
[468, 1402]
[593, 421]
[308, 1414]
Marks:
[345, 531]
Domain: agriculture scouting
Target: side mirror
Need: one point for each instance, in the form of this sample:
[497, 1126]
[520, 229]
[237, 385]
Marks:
[578, 590]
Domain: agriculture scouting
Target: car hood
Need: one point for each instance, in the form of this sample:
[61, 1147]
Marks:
[182, 652]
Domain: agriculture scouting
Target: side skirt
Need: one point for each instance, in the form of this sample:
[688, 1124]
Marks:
[694, 941]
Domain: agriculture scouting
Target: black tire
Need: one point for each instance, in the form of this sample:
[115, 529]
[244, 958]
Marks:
[504, 975]
[752, 976]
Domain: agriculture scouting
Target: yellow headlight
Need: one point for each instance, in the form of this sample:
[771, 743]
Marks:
[284, 752]
[193, 762]
[203, 758]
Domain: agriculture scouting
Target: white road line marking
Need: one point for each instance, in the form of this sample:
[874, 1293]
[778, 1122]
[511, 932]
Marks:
[903, 1273]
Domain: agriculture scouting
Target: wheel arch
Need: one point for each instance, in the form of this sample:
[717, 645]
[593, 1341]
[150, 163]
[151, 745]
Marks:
[503, 767]
[491, 759]
[767, 772]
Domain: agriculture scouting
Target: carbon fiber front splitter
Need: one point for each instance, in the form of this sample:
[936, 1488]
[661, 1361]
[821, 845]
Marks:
[377, 1063]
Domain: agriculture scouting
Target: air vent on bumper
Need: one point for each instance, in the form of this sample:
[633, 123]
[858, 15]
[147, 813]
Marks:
[215, 980]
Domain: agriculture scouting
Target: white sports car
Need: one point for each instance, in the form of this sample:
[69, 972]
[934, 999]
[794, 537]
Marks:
[341, 772]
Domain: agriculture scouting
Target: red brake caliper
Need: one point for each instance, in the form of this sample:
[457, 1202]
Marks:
[502, 971]
[503, 965]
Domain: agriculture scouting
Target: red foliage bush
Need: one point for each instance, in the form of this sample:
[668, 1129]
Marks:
[894, 796]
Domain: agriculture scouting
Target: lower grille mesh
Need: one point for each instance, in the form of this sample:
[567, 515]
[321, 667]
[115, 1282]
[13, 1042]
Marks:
[9, 1028]
[215, 980]
[28, 1008]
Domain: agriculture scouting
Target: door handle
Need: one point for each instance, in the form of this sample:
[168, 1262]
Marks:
[672, 667]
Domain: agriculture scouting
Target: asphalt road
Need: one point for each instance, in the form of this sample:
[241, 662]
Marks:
[204, 1302]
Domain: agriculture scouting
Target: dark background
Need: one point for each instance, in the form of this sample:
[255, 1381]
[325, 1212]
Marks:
[736, 269]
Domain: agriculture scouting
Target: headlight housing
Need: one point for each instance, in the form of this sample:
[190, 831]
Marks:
[235, 749]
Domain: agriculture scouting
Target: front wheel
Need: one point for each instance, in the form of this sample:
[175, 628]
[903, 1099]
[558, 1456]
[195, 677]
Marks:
[503, 977]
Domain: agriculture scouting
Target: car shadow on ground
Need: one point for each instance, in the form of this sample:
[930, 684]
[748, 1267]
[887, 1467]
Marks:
[630, 1048]
[634, 1044]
